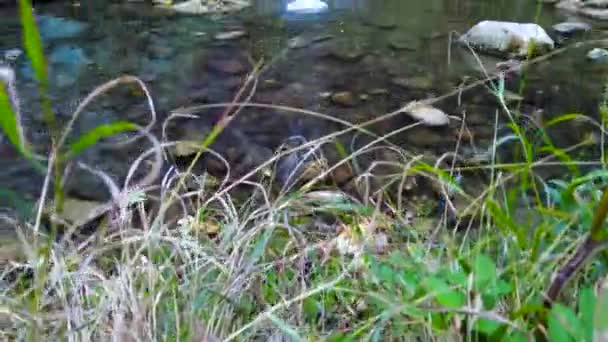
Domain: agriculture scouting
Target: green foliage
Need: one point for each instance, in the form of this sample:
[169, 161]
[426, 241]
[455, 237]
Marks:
[96, 134]
[8, 121]
[441, 291]
[32, 42]
[564, 325]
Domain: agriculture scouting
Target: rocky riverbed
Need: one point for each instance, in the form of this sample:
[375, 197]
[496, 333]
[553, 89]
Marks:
[353, 62]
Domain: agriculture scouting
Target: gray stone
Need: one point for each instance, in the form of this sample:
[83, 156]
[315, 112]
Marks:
[402, 41]
[596, 9]
[571, 27]
[598, 55]
[348, 50]
[508, 37]
[344, 98]
[12, 54]
[60, 28]
[303, 41]
[66, 64]
[416, 82]
[230, 35]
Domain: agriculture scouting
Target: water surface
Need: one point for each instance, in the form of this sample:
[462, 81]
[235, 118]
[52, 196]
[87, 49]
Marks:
[383, 53]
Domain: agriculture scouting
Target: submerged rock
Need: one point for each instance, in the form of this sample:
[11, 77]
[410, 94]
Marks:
[508, 38]
[416, 82]
[402, 41]
[596, 9]
[298, 166]
[201, 7]
[59, 28]
[571, 27]
[230, 35]
[344, 98]
[66, 64]
[227, 66]
[348, 50]
[598, 55]
[12, 55]
[7, 74]
[77, 211]
[303, 41]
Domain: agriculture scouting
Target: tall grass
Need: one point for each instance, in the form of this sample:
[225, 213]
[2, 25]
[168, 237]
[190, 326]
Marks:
[521, 261]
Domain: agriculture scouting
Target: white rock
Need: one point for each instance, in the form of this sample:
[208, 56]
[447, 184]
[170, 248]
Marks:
[230, 35]
[204, 7]
[12, 54]
[598, 55]
[507, 37]
[307, 6]
[191, 7]
[429, 115]
[7, 75]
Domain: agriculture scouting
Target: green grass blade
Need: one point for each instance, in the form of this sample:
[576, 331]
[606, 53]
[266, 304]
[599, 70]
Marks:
[34, 51]
[286, 328]
[600, 323]
[9, 125]
[96, 134]
[32, 42]
[562, 118]
[8, 122]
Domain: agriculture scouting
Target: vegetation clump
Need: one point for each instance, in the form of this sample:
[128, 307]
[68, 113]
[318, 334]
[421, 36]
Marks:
[517, 257]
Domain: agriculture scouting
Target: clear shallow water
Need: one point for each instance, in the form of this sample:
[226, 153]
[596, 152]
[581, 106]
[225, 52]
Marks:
[383, 53]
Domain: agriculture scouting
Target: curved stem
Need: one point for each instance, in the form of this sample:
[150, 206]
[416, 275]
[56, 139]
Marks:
[594, 243]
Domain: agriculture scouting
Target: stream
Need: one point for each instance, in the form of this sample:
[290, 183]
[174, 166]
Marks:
[355, 61]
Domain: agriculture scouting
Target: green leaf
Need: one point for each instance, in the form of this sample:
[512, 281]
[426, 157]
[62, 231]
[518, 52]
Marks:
[96, 134]
[32, 42]
[409, 284]
[486, 326]
[484, 272]
[600, 323]
[8, 121]
[385, 274]
[517, 337]
[339, 337]
[586, 306]
[413, 312]
[564, 326]
[260, 246]
[562, 118]
[311, 308]
[444, 294]
[504, 221]
[458, 278]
